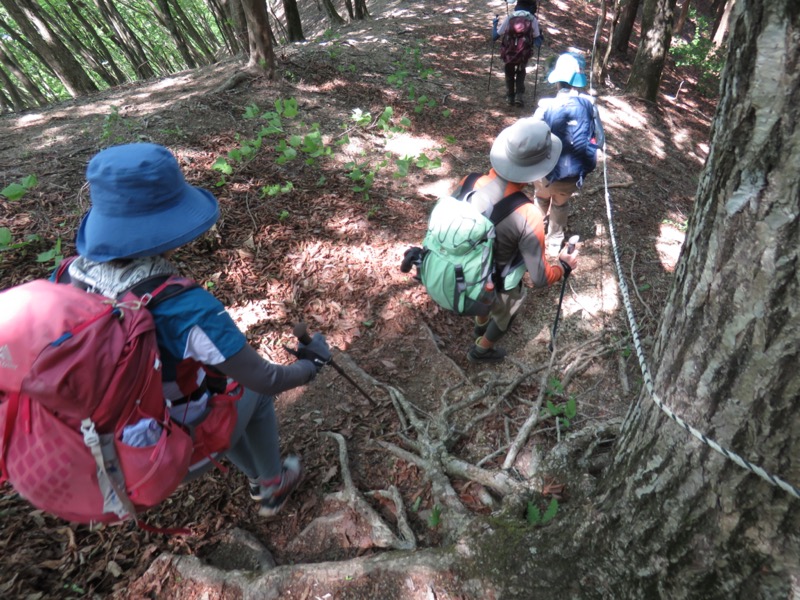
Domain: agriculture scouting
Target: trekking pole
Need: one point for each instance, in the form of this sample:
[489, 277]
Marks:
[536, 79]
[301, 333]
[491, 63]
[570, 247]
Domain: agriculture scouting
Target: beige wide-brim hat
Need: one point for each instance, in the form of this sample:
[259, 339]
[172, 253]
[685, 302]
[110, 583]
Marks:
[525, 151]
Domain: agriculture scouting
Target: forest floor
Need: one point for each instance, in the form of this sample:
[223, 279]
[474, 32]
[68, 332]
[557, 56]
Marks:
[327, 251]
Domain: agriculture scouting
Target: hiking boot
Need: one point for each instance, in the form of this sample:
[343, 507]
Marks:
[510, 99]
[519, 99]
[477, 354]
[274, 496]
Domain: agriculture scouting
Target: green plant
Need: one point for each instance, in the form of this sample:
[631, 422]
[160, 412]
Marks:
[284, 214]
[424, 102]
[274, 190]
[564, 412]
[360, 117]
[54, 254]
[113, 122]
[535, 517]
[700, 53]
[15, 191]
[435, 518]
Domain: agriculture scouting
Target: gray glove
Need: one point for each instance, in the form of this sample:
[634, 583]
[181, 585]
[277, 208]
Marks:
[317, 351]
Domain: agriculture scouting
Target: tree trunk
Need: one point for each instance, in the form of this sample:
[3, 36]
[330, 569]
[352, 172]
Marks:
[17, 101]
[12, 66]
[164, 16]
[72, 75]
[293, 24]
[99, 43]
[654, 42]
[201, 42]
[598, 50]
[624, 29]
[348, 4]
[126, 40]
[721, 26]
[681, 20]
[688, 522]
[221, 10]
[259, 36]
[334, 16]
[361, 10]
[79, 44]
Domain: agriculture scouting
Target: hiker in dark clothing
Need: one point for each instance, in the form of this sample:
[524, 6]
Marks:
[516, 58]
[522, 153]
[573, 117]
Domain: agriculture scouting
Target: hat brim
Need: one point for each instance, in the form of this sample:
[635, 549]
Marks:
[103, 237]
[516, 173]
[577, 80]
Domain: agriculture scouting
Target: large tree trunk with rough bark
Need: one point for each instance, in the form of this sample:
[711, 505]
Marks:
[680, 520]
[645, 77]
[294, 26]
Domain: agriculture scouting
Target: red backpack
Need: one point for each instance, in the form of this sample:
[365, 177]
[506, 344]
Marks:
[75, 369]
[516, 45]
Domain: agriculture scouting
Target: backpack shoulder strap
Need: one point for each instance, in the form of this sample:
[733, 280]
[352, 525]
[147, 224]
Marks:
[160, 288]
[507, 205]
[62, 273]
[468, 185]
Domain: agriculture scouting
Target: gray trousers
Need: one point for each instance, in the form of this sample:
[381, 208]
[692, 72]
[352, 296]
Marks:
[255, 447]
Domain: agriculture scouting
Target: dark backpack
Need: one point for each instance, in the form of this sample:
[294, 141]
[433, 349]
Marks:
[516, 44]
[76, 369]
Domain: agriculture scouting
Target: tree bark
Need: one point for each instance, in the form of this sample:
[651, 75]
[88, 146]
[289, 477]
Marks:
[688, 522]
[721, 25]
[126, 40]
[293, 24]
[648, 65]
[200, 42]
[72, 75]
[335, 17]
[164, 16]
[15, 98]
[99, 43]
[226, 22]
[361, 10]
[12, 66]
[681, 20]
[624, 29]
[259, 36]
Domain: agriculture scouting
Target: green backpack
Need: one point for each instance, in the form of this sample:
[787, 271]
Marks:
[456, 263]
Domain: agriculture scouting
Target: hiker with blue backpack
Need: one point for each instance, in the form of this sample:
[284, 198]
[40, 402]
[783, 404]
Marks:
[573, 117]
[143, 210]
[520, 155]
[519, 34]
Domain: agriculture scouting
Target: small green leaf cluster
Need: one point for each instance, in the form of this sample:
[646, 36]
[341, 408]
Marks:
[563, 413]
[12, 193]
[535, 517]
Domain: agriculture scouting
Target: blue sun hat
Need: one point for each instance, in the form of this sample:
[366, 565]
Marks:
[141, 204]
[568, 70]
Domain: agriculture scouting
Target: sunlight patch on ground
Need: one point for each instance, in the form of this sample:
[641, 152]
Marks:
[668, 245]
[594, 303]
[626, 117]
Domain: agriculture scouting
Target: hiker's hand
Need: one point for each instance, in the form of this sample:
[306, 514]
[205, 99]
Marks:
[317, 351]
[568, 261]
[538, 41]
[495, 21]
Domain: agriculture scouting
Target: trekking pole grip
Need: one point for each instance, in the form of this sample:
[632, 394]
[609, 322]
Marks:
[301, 333]
[572, 243]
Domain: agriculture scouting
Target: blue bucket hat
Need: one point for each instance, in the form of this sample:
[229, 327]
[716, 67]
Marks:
[568, 70]
[141, 204]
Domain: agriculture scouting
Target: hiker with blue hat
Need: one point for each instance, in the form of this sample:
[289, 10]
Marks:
[574, 119]
[142, 210]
